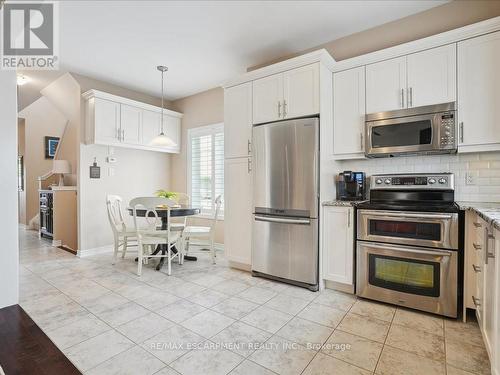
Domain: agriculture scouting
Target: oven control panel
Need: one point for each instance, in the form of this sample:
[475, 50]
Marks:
[417, 181]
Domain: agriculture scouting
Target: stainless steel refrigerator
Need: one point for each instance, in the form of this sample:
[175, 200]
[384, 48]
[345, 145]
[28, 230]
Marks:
[285, 197]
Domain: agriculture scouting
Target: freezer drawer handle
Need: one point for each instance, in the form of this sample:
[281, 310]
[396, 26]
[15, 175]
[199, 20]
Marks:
[283, 221]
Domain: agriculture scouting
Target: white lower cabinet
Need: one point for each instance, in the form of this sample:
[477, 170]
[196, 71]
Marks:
[338, 245]
[238, 210]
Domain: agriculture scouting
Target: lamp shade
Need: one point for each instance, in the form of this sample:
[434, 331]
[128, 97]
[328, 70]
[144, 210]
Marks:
[163, 141]
[61, 166]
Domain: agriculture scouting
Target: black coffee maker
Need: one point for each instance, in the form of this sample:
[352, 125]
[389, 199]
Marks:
[351, 186]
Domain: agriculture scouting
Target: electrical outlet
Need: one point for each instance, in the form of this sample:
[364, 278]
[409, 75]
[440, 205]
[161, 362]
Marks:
[469, 179]
[111, 171]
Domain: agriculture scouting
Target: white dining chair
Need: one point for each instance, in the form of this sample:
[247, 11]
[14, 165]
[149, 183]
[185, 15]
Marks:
[203, 233]
[149, 236]
[123, 236]
[182, 200]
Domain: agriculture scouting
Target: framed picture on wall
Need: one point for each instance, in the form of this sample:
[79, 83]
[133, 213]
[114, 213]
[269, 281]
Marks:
[51, 147]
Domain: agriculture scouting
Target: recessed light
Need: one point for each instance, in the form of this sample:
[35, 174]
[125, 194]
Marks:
[22, 79]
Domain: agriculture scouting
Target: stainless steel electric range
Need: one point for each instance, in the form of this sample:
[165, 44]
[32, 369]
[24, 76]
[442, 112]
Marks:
[409, 242]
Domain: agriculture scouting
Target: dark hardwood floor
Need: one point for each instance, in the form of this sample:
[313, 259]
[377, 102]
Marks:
[25, 349]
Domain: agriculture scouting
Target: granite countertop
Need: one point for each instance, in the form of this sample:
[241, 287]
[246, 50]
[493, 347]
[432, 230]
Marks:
[490, 212]
[339, 203]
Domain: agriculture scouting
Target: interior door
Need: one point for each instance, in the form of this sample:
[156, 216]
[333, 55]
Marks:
[131, 124]
[386, 85]
[238, 120]
[285, 156]
[268, 99]
[107, 121]
[432, 76]
[301, 91]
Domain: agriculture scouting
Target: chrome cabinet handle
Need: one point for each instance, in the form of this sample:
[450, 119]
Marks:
[488, 255]
[117, 134]
[348, 218]
[249, 165]
[476, 246]
[410, 97]
[284, 108]
[461, 132]
[477, 225]
[249, 147]
[123, 134]
[477, 269]
[279, 109]
[476, 301]
[361, 141]
[402, 98]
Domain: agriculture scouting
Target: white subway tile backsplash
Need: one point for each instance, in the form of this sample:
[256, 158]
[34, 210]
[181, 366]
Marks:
[483, 167]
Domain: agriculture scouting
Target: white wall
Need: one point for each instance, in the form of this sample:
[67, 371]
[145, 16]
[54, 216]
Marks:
[136, 173]
[484, 167]
[9, 251]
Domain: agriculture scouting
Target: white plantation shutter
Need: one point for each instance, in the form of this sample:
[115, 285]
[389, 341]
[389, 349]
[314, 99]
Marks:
[206, 165]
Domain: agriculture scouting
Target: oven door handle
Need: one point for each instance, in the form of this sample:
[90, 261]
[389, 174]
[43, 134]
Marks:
[444, 253]
[403, 215]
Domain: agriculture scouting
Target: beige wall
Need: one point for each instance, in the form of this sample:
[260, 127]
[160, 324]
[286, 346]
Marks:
[443, 18]
[205, 108]
[42, 119]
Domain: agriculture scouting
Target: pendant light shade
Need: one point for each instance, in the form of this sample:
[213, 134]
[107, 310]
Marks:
[161, 139]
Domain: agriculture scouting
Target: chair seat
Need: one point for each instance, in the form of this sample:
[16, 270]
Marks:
[192, 230]
[128, 233]
[177, 226]
[159, 237]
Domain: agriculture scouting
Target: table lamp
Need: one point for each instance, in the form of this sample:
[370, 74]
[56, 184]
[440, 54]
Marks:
[61, 167]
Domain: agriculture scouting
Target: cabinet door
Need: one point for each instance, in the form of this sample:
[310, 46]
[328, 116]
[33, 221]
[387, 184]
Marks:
[301, 91]
[432, 76]
[150, 126]
[268, 99]
[130, 123]
[238, 120]
[348, 113]
[238, 210]
[172, 127]
[478, 93]
[386, 85]
[489, 293]
[106, 121]
[338, 244]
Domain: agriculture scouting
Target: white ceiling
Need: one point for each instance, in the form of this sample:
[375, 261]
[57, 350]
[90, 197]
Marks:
[204, 42]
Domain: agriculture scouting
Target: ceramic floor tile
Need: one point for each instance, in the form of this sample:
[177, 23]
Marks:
[235, 307]
[337, 300]
[467, 357]
[172, 343]
[104, 302]
[230, 287]
[207, 323]
[186, 289]
[323, 364]
[251, 368]
[60, 316]
[180, 311]
[121, 314]
[241, 338]
[418, 342]
[267, 319]
[353, 349]
[207, 362]
[257, 295]
[156, 300]
[82, 329]
[373, 310]
[96, 350]
[208, 298]
[419, 321]
[398, 362]
[283, 356]
[363, 326]
[299, 292]
[145, 327]
[463, 332]
[286, 304]
[305, 333]
[131, 362]
[167, 371]
[450, 370]
[207, 280]
[321, 314]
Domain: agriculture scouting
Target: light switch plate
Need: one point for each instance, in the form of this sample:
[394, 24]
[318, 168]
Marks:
[111, 171]
[469, 179]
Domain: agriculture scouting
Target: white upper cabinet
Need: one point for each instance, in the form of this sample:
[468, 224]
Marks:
[268, 99]
[131, 124]
[115, 121]
[349, 113]
[294, 93]
[238, 120]
[107, 114]
[479, 93]
[432, 76]
[301, 91]
[386, 85]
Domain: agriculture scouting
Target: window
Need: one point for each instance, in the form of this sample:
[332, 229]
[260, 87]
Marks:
[206, 167]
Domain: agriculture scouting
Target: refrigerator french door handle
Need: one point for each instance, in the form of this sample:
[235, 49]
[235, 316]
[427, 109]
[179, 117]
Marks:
[283, 220]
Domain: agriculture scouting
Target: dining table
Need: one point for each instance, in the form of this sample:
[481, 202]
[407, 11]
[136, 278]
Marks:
[162, 212]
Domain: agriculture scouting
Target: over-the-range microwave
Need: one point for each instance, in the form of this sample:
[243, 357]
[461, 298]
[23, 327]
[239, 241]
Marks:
[421, 130]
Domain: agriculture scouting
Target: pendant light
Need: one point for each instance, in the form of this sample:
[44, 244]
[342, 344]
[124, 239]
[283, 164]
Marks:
[162, 139]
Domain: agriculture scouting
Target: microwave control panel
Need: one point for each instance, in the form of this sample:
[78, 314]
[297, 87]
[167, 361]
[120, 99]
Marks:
[447, 136]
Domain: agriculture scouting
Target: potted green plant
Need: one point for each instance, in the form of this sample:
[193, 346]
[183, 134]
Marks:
[166, 194]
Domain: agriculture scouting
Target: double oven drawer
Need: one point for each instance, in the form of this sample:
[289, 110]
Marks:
[430, 229]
